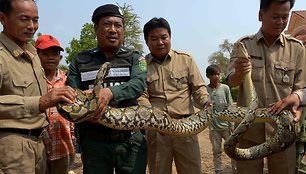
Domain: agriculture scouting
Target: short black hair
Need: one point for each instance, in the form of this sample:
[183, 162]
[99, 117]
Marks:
[212, 69]
[265, 4]
[155, 23]
[6, 6]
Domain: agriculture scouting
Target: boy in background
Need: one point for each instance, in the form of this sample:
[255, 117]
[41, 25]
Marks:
[220, 95]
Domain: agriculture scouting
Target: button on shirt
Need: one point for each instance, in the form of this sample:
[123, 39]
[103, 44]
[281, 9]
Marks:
[172, 82]
[59, 140]
[22, 83]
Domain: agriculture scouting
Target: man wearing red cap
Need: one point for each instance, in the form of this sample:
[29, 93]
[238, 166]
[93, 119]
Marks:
[58, 139]
[23, 91]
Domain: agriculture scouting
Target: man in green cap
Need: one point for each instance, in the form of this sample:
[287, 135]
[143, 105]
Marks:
[104, 149]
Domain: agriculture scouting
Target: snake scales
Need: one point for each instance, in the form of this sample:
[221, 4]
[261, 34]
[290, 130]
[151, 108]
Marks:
[145, 117]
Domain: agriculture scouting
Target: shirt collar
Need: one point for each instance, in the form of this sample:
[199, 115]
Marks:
[15, 50]
[260, 37]
[168, 57]
[59, 75]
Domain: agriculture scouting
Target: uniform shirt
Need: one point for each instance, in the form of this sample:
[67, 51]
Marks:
[59, 140]
[126, 86]
[22, 83]
[277, 71]
[221, 96]
[171, 83]
[131, 89]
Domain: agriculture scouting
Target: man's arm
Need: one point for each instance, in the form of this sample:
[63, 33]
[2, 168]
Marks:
[144, 99]
[197, 85]
[136, 85]
[74, 76]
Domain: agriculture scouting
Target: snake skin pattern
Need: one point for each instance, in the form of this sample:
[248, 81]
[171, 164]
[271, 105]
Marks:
[145, 117]
[285, 135]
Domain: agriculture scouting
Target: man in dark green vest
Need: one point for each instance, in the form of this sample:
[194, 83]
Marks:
[103, 149]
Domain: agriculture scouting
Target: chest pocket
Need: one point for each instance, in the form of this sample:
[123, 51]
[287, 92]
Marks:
[258, 66]
[179, 79]
[152, 82]
[23, 86]
[284, 72]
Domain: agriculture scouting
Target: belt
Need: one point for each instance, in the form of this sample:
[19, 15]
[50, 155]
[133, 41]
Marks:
[110, 136]
[28, 132]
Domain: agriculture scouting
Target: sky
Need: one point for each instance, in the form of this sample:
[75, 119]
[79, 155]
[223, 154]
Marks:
[198, 27]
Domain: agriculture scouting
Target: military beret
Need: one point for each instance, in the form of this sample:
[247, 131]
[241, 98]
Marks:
[106, 10]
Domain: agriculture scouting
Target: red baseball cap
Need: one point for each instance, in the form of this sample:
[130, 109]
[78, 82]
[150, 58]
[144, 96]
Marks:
[47, 41]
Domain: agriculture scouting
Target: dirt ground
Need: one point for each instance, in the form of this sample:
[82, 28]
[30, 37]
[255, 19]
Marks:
[206, 153]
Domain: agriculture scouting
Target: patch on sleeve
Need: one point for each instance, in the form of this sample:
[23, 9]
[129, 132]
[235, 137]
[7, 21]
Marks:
[142, 64]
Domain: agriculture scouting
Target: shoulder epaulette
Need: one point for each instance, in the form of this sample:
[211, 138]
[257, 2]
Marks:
[94, 51]
[1, 46]
[124, 52]
[181, 52]
[245, 37]
[85, 56]
[293, 39]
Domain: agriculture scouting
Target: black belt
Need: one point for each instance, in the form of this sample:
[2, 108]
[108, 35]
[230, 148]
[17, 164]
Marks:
[113, 136]
[29, 132]
[102, 133]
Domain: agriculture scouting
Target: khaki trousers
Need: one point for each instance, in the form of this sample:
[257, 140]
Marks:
[164, 149]
[21, 154]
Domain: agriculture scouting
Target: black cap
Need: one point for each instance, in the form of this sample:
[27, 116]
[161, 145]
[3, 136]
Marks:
[106, 10]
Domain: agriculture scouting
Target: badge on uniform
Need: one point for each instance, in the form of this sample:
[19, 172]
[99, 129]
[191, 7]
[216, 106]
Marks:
[16, 53]
[179, 84]
[286, 78]
[142, 64]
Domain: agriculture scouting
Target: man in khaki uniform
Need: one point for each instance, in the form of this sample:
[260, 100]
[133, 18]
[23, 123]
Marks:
[172, 80]
[278, 68]
[295, 99]
[23, 91]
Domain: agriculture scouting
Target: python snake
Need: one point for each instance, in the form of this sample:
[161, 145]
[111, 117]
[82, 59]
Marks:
[151, 118]
[286, 128]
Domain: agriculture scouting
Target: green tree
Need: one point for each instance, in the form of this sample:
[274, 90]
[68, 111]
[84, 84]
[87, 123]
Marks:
[221, 57]
[87, 41]
[132, 27]
[88, 38]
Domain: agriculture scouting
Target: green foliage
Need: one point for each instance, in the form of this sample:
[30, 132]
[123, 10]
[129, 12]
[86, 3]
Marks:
[63, 67]
[234, 92]
[87, 41]
[88, 37]
[222, 56]
[132, 28]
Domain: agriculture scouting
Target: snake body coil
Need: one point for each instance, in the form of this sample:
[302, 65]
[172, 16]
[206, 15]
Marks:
[143, 117]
